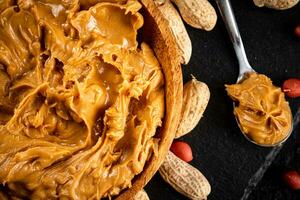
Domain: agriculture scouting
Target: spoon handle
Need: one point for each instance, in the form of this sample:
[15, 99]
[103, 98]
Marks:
[234, 33]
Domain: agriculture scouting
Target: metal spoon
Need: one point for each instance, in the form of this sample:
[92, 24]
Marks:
[244, 66]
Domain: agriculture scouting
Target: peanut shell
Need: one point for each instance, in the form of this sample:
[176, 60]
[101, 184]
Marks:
[177, 28]
[184, 178]
[276, 4]
[141, 195]
[195, 99]
[197, 13]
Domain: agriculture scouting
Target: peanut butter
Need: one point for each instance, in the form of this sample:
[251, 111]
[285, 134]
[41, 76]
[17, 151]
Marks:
[80, 98]
[262, 111]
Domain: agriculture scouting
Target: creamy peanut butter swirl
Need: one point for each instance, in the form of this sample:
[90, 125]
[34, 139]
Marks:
[262, 111]
[80, 101]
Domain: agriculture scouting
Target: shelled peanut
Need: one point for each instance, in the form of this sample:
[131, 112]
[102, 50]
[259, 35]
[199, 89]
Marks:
[182, 150]
[297, 31]
[291, 87]
[292, 179]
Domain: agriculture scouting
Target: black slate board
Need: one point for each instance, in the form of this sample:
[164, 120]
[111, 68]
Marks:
[220, 151]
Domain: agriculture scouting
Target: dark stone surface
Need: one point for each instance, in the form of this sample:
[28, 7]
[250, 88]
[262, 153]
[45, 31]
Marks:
[220, 151]
[271, 186]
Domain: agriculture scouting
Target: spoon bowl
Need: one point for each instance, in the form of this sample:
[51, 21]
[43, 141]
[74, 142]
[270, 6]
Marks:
[259, 144]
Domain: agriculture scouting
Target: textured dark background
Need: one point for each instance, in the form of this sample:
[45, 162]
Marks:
[220, 151]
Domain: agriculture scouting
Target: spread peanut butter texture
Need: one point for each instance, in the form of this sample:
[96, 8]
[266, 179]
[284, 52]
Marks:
[263, 113]
[80, 99]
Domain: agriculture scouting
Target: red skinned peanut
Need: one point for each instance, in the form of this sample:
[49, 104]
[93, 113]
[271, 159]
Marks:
[292, 178]
[182, 150]
[291, 87]
[297, 31]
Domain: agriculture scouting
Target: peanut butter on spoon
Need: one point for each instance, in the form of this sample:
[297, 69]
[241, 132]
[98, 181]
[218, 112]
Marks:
[262, 111]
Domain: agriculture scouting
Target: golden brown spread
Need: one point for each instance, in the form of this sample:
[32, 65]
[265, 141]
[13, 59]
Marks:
[263, 113]
[80, 99]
